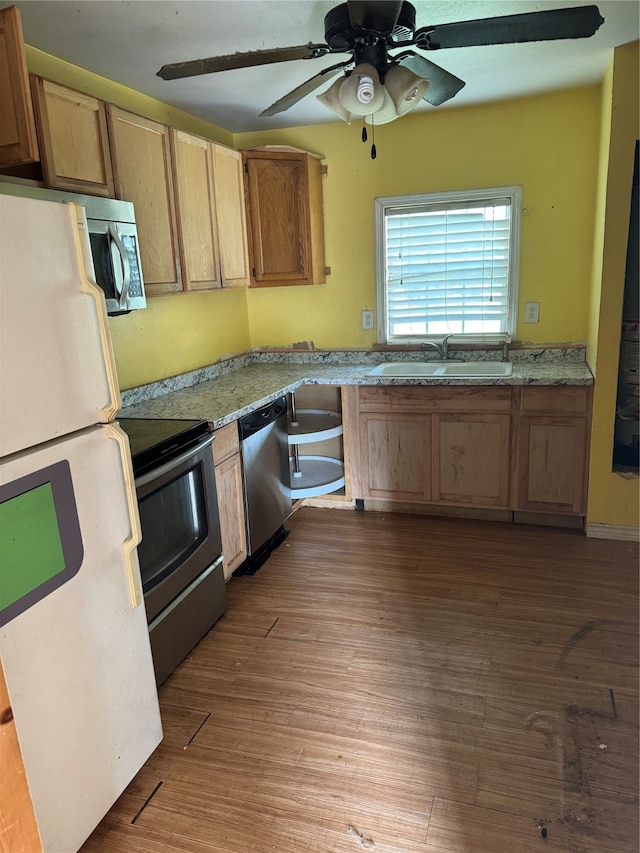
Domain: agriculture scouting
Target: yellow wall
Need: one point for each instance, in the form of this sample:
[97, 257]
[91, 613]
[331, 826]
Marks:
[612, 499]
[572, 151]
[547, 143]
[175, 333]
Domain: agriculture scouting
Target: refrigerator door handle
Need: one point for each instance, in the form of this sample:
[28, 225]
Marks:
[129, 546]
[87, 285]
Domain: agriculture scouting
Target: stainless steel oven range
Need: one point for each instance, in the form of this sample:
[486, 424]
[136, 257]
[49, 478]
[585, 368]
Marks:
[181, 551]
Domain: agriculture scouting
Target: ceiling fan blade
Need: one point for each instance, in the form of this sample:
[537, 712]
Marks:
[376, 16]
[572, 23]
[304, 89]
[442, 84]
[195, 67]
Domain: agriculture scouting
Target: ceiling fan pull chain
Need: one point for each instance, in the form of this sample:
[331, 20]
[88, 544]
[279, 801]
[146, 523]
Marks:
[374, 153]
[364, 130]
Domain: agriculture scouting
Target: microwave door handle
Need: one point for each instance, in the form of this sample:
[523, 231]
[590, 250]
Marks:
[124, 265]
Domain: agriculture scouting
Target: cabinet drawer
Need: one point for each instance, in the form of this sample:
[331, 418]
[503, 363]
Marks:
[555, 400]
[226, 443]
[450, 398]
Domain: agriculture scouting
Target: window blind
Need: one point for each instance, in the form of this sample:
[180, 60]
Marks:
[447, 268]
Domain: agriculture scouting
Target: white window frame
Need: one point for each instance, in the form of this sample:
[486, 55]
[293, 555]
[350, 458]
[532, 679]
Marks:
[456, 198]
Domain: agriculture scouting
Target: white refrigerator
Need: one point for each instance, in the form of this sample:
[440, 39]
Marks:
[74, 639]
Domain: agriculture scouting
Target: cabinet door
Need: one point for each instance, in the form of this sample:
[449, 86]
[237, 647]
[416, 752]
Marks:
[471, 459]
[395, 456]
[20, 829]
[18, 142]
[279, 220]
[552, 464]
[231, 510]
[193, 175]
[232, 224]
[74, 144]
[143, 175]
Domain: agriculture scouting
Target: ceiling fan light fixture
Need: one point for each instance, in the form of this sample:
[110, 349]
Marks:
[362, 93]
[405, 87]
[385, 114]
[331, 99]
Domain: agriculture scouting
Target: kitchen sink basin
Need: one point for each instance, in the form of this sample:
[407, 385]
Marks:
[443, 369]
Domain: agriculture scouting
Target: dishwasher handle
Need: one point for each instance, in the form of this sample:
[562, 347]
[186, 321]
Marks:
[261, 418]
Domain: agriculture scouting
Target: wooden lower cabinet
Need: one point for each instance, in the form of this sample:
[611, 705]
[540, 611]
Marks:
[552, 464]
[229, 485]
[551, 457]
[471, 459]
[442, 444]
[521, 449]
[395, 455]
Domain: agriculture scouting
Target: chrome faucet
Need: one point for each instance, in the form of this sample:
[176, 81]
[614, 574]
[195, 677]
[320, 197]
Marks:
[441, 348]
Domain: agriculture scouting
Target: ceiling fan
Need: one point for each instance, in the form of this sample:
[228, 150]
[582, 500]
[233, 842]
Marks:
[388, 78]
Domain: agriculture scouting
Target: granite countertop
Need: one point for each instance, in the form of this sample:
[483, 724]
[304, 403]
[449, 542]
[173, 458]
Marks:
[236, 392]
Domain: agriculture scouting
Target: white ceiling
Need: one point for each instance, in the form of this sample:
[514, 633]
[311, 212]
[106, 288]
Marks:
[128, 40]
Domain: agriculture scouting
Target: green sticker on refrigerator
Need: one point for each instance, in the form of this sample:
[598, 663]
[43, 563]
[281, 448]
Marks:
[40, 542]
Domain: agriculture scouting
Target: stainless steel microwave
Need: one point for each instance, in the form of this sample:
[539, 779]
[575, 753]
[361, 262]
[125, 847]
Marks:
[113, 237]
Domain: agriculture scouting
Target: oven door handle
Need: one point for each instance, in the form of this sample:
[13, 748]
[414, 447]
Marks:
[168, 467]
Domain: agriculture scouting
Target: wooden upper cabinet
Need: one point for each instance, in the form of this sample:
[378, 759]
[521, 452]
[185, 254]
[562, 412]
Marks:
[195, 200]
[140, 150]
[18, 141]
[286, 226]
[74, 145]
[232, 224]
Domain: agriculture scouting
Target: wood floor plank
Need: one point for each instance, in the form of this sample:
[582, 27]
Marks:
[403, 684]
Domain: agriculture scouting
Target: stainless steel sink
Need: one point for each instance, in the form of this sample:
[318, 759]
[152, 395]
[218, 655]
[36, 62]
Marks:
[443, 369]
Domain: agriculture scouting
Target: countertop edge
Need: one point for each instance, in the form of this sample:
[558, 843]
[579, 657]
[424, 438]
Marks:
[224, 399]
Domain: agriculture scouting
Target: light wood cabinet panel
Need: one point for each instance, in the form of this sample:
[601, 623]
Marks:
[471, 459]
[444, 398]
[395, 456]
[286, 226]
[74, 144]
[143, 175]
[230, 488]
[556, 401]
[552, 464]
[18, 141]
[232, 224]
[195, 201]
[483, 455]
[19, 824]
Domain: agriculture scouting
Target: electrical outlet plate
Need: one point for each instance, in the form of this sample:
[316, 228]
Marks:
[367, 320]
[532, 312]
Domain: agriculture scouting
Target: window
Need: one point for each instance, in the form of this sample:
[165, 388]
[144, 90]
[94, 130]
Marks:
[447, 264]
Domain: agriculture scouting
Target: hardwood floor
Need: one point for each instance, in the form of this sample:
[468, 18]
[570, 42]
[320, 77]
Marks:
[403, 684]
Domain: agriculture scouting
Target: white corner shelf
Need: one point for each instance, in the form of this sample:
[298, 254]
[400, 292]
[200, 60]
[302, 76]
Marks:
[317, 475]
[314, 425]
[312, 476]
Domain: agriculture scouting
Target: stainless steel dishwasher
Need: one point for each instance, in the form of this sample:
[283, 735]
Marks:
[267, 492]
